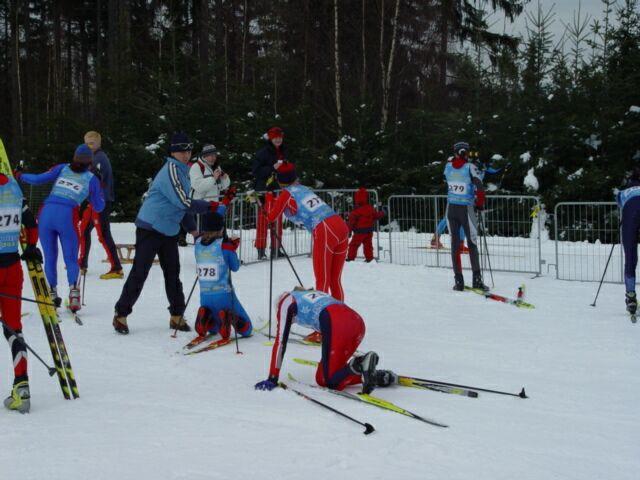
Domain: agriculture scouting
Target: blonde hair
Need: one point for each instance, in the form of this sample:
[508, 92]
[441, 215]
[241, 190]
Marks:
[93, 136]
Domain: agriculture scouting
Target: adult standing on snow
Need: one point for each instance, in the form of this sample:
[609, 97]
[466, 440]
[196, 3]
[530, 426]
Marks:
[102, 169]
[208, 181]
[629, 202]
[157, 225]
[14, 213]
[73, 183]
[266, 162]
[329, 231]
[465, 191]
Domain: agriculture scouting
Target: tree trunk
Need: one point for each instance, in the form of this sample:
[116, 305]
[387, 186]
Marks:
[363, 81]
[336, 56]
[444, 43]
[386, 73]
[16, 92]
[204, 44]
[245, 31]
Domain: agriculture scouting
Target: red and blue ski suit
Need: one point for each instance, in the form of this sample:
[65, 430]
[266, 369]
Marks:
[329, 231]
[59, 217]
[342, 331]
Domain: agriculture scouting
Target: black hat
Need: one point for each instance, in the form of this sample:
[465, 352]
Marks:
[180, 143]
[212, 222]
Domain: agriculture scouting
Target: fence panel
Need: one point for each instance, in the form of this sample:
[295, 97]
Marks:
[585, 233]
[512, 241]
[242, 222]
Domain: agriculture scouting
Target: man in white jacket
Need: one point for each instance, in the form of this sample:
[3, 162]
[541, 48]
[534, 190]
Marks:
[208, 180]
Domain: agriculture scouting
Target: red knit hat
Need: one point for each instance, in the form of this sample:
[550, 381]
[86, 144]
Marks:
[275, 132]
[361, 197]
[286, 174]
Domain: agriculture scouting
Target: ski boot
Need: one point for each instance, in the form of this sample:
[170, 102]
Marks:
[459, 285]
[277, 253]
[120, 324]
[112, 274]
[385, 378]
[435, 242]
[632, 302]
[314, 337]
[365, 365]
[74, 299]
[57, 301]
[20, 399]
[478, 283]
[261, 254]
[225, 324]
[177, 322]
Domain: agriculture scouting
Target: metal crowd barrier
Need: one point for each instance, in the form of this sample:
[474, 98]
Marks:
[511, 227]
[242, 222]
[584, 235]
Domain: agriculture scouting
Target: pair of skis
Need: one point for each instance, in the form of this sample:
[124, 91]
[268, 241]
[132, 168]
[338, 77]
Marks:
[48, 312]
[209, 344]
[516, 302]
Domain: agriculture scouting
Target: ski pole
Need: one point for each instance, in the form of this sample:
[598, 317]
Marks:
[52, 371]
[288, 258]
[175, 332]
[522, 393]
[368, 427]
[233, 312]
[270, 291]
[603, 274]
[30, 300]
[84, 283]
[486, 247]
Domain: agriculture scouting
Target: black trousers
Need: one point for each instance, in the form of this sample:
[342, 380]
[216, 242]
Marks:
[104, 235]
[463, 216]
[150, 243]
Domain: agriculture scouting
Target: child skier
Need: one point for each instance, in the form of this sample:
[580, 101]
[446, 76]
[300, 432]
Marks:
[73, 183]
[15, 213]
[342, 330]
[215, 258]
[361, 222]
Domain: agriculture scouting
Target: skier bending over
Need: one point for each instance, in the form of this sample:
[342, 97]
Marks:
[14, 213]
[215, 259]
[58, 219]
[629, 202]
[342, 331]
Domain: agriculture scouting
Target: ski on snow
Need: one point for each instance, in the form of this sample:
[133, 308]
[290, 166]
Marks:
[371, 400]
[413, 382]
[517, 302]
[48, 313]
[220, 342]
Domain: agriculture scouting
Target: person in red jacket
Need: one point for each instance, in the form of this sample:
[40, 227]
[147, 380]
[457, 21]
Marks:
[361, 223]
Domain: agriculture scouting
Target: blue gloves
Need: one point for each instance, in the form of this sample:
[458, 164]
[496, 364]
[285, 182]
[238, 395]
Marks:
[266, 385]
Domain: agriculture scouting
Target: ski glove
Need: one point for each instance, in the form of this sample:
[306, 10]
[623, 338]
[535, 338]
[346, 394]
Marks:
[232, 244]
[480, 201]
[32, 254]
[229, 196]
[266, 385]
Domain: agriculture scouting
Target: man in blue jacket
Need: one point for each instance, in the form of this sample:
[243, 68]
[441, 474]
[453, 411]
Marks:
[166, 206]
[629, 202]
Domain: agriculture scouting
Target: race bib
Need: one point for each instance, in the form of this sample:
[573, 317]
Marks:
[69, 185]
[312, 202]
[313, 297]
[459, 188]
[209, 271]
[10, 220]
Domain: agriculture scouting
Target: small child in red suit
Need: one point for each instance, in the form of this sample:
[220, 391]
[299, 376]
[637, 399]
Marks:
[361, 223]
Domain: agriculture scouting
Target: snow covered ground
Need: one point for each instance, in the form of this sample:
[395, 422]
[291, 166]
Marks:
[146, 412]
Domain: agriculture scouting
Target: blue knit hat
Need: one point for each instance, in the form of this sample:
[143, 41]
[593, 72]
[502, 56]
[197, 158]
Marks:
[460, 146]
[180, 143]
[83, 154]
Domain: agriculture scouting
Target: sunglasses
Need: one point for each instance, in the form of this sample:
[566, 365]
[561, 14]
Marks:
[182, 147]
